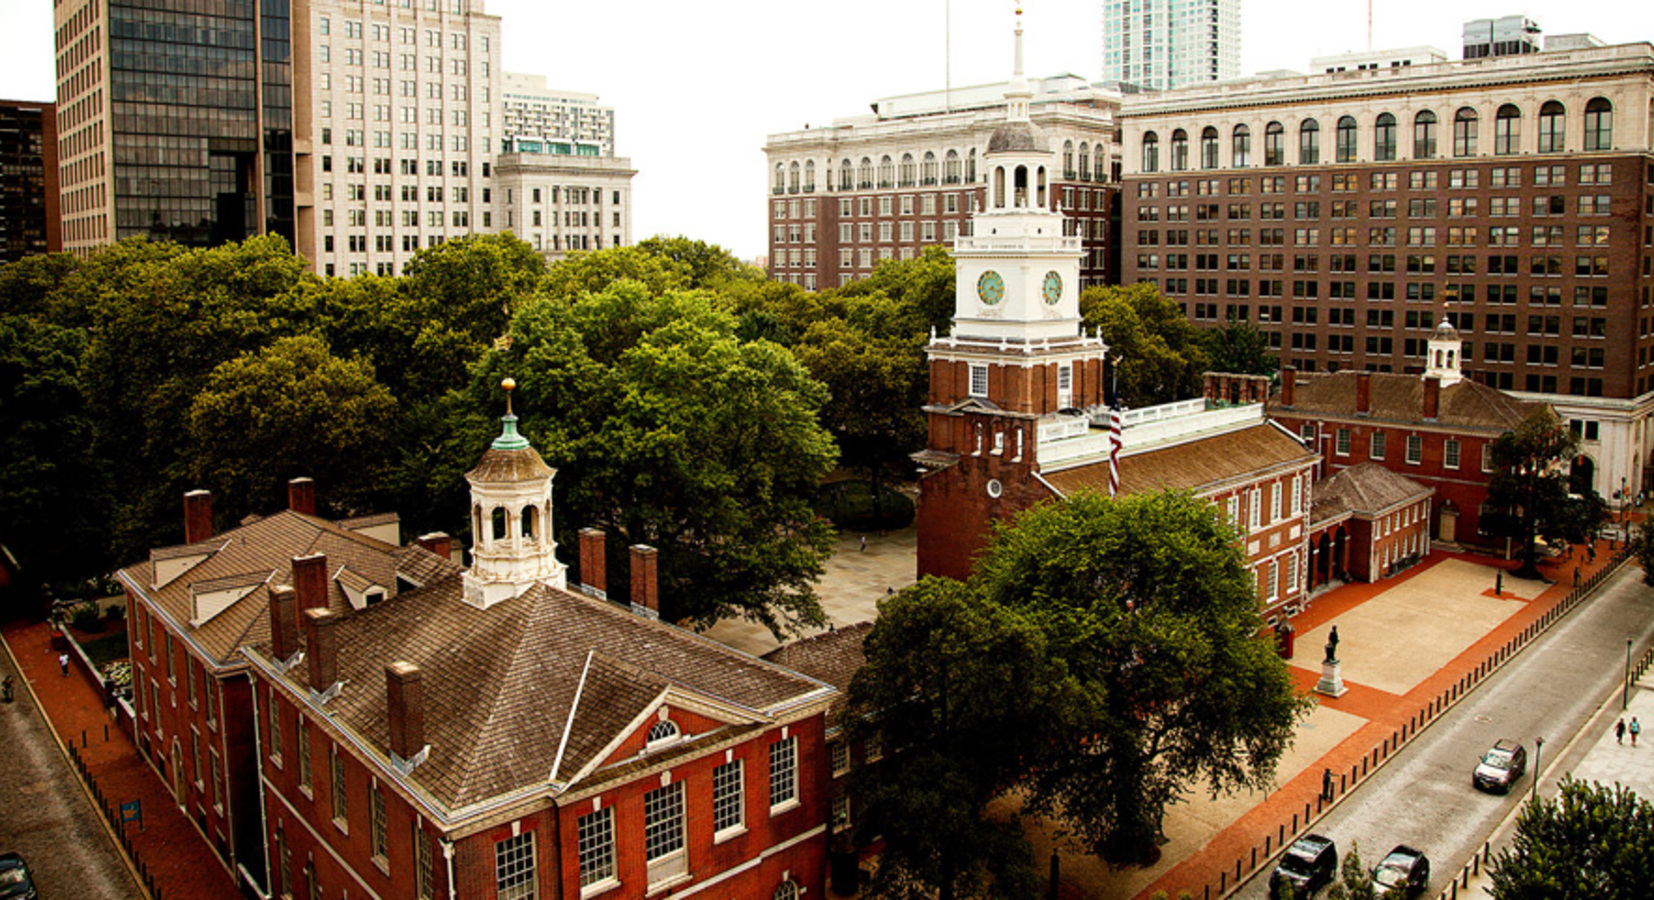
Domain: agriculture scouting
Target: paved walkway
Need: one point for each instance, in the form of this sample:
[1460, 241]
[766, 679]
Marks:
[169, 850]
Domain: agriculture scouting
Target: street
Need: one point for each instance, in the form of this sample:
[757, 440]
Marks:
[1423, 796]
[47, 817]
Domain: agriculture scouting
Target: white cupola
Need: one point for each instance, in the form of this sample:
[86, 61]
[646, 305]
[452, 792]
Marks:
[1442, 353]
[511, 542]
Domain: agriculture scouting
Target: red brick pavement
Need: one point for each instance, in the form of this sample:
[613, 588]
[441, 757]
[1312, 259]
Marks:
[1391, 720]
[169, 850]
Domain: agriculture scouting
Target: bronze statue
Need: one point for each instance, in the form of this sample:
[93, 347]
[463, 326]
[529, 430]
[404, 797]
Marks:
[1332, 645]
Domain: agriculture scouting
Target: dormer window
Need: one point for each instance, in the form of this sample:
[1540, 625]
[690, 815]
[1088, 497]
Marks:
[662, 733]
[375, 597]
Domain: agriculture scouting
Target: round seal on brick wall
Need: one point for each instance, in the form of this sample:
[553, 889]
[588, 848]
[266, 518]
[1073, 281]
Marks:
[995, 488]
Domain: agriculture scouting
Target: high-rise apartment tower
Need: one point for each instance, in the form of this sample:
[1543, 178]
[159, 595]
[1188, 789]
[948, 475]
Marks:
[1166, 44]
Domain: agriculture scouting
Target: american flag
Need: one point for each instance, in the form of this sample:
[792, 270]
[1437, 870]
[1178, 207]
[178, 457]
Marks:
[1116, 439]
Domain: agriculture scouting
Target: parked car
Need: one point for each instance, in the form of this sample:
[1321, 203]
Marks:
[15, 881]
[1404, 873]
[1500, 767]
[1307, 866]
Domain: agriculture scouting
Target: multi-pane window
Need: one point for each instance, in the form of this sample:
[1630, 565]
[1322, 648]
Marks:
[1341, 442]
[1254, 509]
[663, 832]
[341, 810]
[1415, 448]
[514, 868]
[304, 754]
[729, 796]
[275, 728]
[840, 750]
[1275, 502]
[376, 831]
[979, 380]
[424, 865]
[1450, 453]
[595, 833]
[783, 772]
[1379, 442]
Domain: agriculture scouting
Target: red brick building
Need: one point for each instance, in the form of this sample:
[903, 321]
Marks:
[1366, 523]
[1436, 429]
[192, 607]
[496, 735]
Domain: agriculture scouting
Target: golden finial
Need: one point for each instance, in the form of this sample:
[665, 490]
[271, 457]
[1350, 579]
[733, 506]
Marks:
[508, 385]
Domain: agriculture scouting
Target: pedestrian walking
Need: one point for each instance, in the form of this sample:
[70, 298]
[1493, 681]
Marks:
[1592, 549]
[1619, 731]
[1326, 785]
[863, 544]
[1635, 730]
[63, 663]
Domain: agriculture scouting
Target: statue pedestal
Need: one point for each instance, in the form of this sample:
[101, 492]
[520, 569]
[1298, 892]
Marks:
[1332, 679]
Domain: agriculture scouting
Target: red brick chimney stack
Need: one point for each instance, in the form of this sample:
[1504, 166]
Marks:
[1432, 397]
[301, 495]
[644, 598]
[284, 622]
[1289, 385]
[593, 564]
[310, 581]
[197, 516]
[321, 655]
[438, 542]
[405, 705]
[1363, 393]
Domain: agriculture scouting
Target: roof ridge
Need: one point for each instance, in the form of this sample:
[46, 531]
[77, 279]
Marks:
[505, 663]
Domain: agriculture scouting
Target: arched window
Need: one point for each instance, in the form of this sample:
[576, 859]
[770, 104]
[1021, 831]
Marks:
[1309, 143]
[1240, 147]
[970, 167]
[1344, 143]
[531, 522]
[787, 890]
[663, 731]
[1599, 124]
[1151, 152]
[1507, 130]
[1100, 164]
[999, 187]
[498, 517]
[1274, 144]
[1020, 186]
[927, 171]
[864, 177]
[951, 168]
[1424, 135]
[1039, 197]
[476, 524]
[1180, 150]
[792, 178]
[909, 172]
[1464, 132]
[1552, 123]
[846, 176]
[1209, 148]
[1068, 159]
[809, 176]
[780, 178]
[887, 171]
[1085, 161]
[1384, 137]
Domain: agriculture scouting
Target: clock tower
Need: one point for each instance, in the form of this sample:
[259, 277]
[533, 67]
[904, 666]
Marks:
[1017, 365]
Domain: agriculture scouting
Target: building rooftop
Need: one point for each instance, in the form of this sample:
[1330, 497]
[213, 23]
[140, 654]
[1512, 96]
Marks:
[1400, 398]
[1366, 489]
[833, 657]
[1200, 464]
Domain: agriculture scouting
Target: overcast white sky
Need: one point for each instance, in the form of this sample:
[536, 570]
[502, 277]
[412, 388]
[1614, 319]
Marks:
[697, 86]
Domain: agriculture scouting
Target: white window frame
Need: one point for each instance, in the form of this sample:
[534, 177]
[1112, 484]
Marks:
[1065, 385]
[663, 835]
[1415, 449]
[978, 379]
[1275, 502]
[1341, 442]
[1378, 445]
[1450, 453]
[729, 800]
[595, 845]
[514, 869]
[784, 787]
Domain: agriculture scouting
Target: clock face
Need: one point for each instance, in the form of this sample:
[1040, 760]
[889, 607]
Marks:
[990, 287]
[1052, 288]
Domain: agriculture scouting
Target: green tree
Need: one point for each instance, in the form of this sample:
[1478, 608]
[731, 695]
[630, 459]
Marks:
[1146, 601]
[1354, 882]
[1238, 347]
[1589, 842]
[53, 488]
[710, 266]
[1530, 482]
[923, 285]
[940, 664]
[292, 409]
[1161, 357]
[597, 271]
[670, 431]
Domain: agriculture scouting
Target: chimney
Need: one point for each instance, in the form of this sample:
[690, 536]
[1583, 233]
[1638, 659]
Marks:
[1289, 385]
[321, 652]
[301, 495]
[438, 542]
[1432, 397]
[1363, 393]
[284, 622]
[310, 581]
[644, 599]
[593, 574]
[405, 706]
[197, 516]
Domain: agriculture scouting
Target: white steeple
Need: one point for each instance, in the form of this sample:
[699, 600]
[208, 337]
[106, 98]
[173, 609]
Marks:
[511, 543]
[1442, 352]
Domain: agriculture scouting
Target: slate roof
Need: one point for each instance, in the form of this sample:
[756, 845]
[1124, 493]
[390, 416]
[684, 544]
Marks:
[539, 684]
[510, 466]
[262, 552]
[833, 657]
[1196, 465]
[1014, 137]
[1365, 488]
[1400, 398]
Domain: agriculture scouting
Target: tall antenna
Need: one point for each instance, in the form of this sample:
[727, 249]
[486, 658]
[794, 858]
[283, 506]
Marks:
[1369, 26]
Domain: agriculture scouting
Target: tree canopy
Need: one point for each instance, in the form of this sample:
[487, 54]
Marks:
[1161, 357]
[1238, 347]
[1589, 842]
[1529, 481]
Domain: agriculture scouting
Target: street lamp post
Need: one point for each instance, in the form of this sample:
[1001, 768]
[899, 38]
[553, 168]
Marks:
[1538, 748]
[1625, 698]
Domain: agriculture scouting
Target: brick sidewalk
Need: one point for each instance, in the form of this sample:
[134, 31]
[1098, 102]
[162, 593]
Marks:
[1248, 843]
[170, 854]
